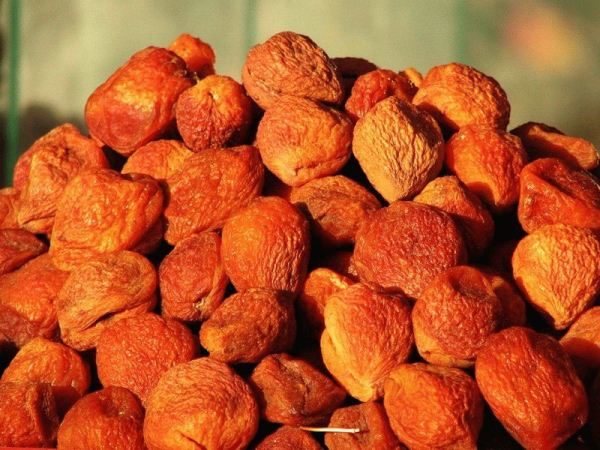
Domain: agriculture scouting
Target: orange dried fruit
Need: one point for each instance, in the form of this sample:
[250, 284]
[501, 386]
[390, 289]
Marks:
[27, 415]
[433, 407]
[488, 161]
[557, 268]
[199, 56]
[474, 220]
[102, 211]
[531, 386]
[9, 208]
[160, 159]
[201, 403]
[44, 361]
[110, 418]
[594, 400]
[399, 147]
[513, 305]
[335, 206]
[458, 95]
[373, 425]
[290, 64]
[454, 316]
[350, 68]
[17, 247]
[552, 191]
[135, 105]
[289, 438]
[292, 392]
[250, 325]
[358, 318]
[210, 187]
[266, 245]
[401, 248]
[582, 341]
[300, 140]
[543, 141]
[413, 75]
[192, 279]
[102, 291]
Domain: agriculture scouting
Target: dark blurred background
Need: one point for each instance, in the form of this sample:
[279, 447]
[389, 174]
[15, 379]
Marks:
[546, 54]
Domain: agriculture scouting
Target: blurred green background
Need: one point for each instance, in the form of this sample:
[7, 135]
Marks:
[54, 53]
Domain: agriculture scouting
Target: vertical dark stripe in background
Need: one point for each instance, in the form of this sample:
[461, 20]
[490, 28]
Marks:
[250, 34]
[12, 122]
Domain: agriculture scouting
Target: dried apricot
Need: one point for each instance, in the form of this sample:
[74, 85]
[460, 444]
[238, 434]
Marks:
[300, 140]
[594, 422]
[433, 407]
[289, 438]
[488, 161]
[202, 404]
[102, 291]
[552, 191]
[557, 268]
[413, 75]
[399, 147]
[401, 248]
[350, 68]
[266, 245]
[582, 341]
[290, 64]
[292, 392]
[199, 56]
[192, 279]
[335, 206]
[543, 141]
[160, 159]
[9, 201]
[210, 187]
[458, 95]
[110, 418]
[454, 316]
[530, 383]
[135, 105]
[17, 247]
[513, 305]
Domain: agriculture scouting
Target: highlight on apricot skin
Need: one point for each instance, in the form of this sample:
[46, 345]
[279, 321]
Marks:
[300, 140]
[401, 248]
[17, 247]
[582, 341]
[160, 159]
[530, 384]
[202, 403]
[358, 318]
[292, 392]
[433, 407]
[110, 418]
[552, 191]
[250, 325]
[399, 147]
[199, 56]
[289, 438]
[557, 268]
[488, 161]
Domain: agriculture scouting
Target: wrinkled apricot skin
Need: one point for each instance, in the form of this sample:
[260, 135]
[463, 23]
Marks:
[192, 279]
[292, 392]
[413, 75]
[300, 140]
[213, 113]
[210, 187]
[374, 86]
[102, 211]
[454, 316]
[513, 305]
[529, 382]
[266, 245]
[335, 206]
[289, 438]
[594, 422]
[56, 158]
[553, 192]
[136, 103]
[27, 415]
[458, 95]
[356, 319]
[401, 248]
[28, 300]
[250, 325]
[200, 404]
[399, 147]
[433, 407]
[542, 141]
[290, 64]
[102, 291]
[109, 418]
[371, 420]
[17, 247]
[582, 341]
[44, 361]
[199, 56]
[160, 159]
[474, 220]
[557, 268]
[350, 68]
[488, 162]
[9, 208]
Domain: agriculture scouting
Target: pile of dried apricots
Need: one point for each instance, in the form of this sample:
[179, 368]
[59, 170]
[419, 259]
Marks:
[327, 246]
